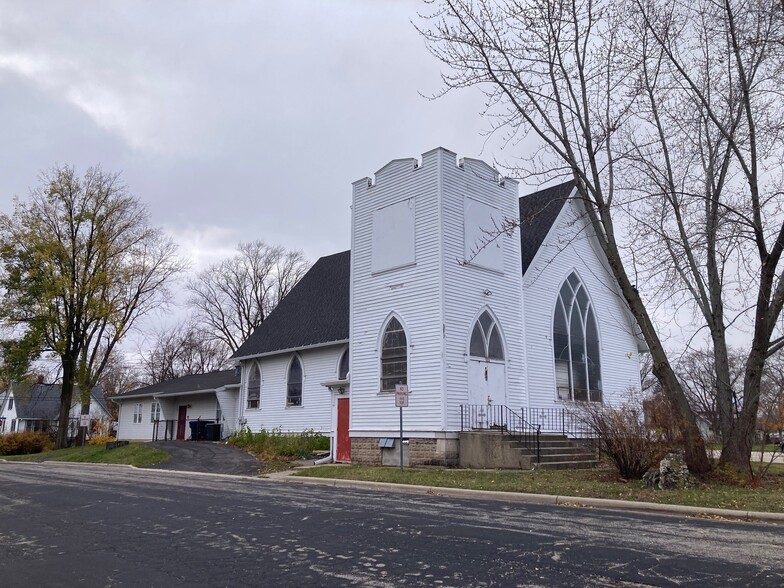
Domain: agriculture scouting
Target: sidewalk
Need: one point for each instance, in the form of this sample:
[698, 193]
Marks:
[525, 498]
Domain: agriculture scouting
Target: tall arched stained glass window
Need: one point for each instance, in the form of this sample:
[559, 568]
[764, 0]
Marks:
[576, 344]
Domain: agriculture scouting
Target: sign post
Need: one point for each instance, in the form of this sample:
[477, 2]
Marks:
[84, 422]
[401, 400]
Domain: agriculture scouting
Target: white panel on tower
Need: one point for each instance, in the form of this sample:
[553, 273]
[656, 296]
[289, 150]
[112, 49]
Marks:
[394, 236]
[484, 246]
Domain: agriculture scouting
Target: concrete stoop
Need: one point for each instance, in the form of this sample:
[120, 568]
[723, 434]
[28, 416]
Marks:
[492, 449]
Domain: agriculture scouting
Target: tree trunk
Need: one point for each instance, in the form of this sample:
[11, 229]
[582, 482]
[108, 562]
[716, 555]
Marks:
[694, 451]
[66, 396]
[695, 454]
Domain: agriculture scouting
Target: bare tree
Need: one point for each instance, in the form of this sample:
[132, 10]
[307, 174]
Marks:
[557, 72]
[183, 351]
[231, 298]
[81, 265]
[697, 371]
[705, 158]
[118, 376]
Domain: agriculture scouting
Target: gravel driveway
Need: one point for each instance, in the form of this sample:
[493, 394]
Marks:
[206, 456]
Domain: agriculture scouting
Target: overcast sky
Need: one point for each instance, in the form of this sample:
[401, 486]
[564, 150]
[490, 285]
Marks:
[233, 120]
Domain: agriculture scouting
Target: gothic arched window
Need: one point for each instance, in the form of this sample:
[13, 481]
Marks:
[486, 339]
[294, 383]
[576, 344]
[394, 356]
[254, 386]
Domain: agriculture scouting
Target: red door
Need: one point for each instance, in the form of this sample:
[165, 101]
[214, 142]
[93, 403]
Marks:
[182, 416]
[343, 450]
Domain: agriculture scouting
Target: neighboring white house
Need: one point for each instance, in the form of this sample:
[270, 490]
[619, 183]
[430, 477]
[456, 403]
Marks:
[163, 411]
[37, 408]
[440, 294]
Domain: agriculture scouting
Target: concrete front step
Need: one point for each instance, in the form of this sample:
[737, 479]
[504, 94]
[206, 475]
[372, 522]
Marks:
[567, 465]
[567, 457]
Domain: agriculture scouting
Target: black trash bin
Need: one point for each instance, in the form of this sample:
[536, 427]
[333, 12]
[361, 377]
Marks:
[199, 429]
[213, 432]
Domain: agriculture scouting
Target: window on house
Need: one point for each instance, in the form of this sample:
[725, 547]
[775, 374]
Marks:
[137, 413]
[155, 412]
[576, 344]
[343, 366]
[254, 386]
[394, 356]
[13, 425]
[294, 383]
[485, 339]
[10, 403]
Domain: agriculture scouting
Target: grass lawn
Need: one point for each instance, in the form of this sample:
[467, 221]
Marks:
[136, 454]
[602, 482]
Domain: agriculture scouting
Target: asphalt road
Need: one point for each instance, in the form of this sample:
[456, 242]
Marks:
[80, 525]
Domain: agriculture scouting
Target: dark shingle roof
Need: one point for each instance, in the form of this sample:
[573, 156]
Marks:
[193, 383]
[316, 311]
[538, 212]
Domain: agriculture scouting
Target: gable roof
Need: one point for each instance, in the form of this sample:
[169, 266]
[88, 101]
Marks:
[193, 383]
[42, 401]
[538, 212]
[315, 312]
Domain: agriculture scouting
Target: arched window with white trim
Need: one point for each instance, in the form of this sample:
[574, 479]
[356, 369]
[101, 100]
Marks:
[343, 366]
[486, 339]
[576, 344]
[254, 386]
[394, 356]
[294, 383]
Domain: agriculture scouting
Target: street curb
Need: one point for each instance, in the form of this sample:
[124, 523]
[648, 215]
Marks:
[526, 498]
[287, 477]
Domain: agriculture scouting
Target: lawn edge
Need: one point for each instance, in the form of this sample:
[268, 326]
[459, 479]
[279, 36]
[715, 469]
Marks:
[528, 498]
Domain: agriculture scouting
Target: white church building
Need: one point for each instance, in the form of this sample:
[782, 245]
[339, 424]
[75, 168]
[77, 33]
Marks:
[440, 294]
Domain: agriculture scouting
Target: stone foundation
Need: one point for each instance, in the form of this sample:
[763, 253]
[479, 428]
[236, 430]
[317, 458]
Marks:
[416, 452]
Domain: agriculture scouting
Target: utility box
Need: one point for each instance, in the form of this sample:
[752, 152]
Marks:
[390, 454]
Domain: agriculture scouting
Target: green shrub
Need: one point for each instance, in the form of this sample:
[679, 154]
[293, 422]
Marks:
[24, 443]
[277, 445]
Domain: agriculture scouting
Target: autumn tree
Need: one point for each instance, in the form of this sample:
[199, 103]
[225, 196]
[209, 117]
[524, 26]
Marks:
[182, 351]
[233, 297]
[81, 264]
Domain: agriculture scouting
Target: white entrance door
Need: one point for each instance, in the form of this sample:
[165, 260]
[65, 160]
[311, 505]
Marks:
[487, 387]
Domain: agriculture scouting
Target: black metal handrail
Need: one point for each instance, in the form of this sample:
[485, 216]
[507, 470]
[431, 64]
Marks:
[498, 417]
[168, 432]
[565, 421]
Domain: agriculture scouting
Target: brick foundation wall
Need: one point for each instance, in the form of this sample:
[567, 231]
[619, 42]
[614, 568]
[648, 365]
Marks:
[365, 451]
[418, 452]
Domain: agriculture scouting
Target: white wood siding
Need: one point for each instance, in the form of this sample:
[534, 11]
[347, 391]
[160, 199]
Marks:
[126, 428]
[318, 365]
[413, 293]
[438, 298]
[229, 401]
[465, 284]
[570, 247]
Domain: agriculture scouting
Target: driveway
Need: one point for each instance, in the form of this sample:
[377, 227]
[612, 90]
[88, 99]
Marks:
[206, 456]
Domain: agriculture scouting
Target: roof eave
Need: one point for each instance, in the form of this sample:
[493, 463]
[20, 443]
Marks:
[290, 350]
